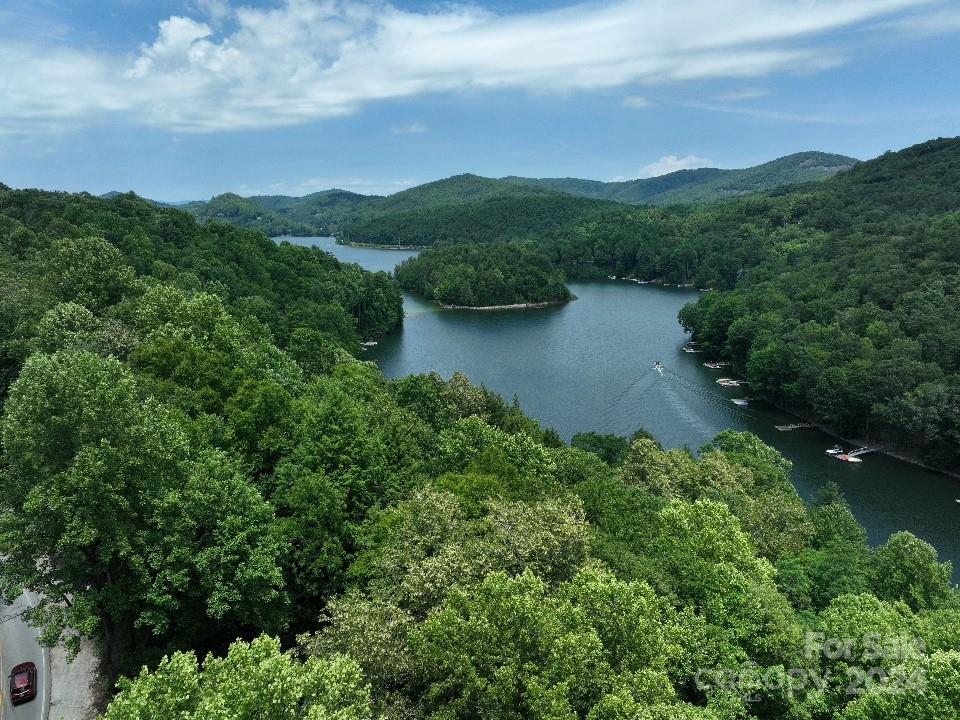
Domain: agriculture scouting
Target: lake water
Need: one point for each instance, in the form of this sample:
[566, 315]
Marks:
[588, 365]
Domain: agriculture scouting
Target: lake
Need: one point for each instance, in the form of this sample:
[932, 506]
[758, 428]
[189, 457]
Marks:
[588, 365]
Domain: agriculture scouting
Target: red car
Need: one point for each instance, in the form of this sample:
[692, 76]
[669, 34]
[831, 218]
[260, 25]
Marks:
[23, 683]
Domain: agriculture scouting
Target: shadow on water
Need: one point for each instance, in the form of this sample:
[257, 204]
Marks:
[588, 365]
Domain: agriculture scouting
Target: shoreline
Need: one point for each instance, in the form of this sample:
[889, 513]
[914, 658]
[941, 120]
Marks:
[374, 246]
[512, 306]
[883, 449]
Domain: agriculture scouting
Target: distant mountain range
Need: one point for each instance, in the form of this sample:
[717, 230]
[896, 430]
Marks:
[704, 184]
[532, 204]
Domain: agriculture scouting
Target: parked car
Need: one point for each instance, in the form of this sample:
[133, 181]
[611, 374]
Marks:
[23, 683]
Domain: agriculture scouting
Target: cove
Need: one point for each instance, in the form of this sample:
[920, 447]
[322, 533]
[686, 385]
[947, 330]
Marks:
[588, 365]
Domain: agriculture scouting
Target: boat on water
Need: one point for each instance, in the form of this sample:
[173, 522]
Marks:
[716, 365]
[843, 457]
[730, 382]
[742, 402]
[835, 450]
[368, 343]
[658, 366]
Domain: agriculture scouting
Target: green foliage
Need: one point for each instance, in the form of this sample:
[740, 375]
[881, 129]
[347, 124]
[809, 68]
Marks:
[254, 680]
[612, 449]
[907, 569]
[277, 284]
[850, 312]
[153, 537]
[483, 275]
[172, 478]
[927, 689]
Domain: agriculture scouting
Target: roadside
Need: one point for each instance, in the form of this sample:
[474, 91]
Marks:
[73, 691]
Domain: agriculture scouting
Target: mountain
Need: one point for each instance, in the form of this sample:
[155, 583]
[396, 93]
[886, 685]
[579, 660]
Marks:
[467, 208]
[245, 213]
[463, 207]
[704, 184]
[497, 209]
[320, 213]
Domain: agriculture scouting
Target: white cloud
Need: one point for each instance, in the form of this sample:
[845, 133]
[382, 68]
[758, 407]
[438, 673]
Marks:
[817, 118]
[672, 163]
[216, 10]
[309, 59]
[414, 128]
[743, 94]
[637, 102]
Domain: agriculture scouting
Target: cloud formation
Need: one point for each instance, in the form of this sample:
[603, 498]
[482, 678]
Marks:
[241, 67]
[672, 163]
[637, 102]
[749, 93]
[414, 128]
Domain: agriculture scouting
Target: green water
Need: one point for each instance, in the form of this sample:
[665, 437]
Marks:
[588, 365]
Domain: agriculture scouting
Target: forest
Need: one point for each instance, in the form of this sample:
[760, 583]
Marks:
[851, 315]
[197, 472]
[483, 275]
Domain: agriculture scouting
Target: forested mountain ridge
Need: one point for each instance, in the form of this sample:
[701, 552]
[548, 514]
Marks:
[246, 213]
[704, 184]
[332, 212]
[371, 218]
[852, 314]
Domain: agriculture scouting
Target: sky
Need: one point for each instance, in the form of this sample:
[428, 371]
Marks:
[184, 99]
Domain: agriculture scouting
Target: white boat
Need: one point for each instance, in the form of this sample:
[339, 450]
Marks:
[835, 450]
[658, 367]
[843, 457]
[742, 402]
[368, 343]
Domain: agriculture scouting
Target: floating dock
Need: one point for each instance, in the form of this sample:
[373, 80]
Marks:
[793, 426]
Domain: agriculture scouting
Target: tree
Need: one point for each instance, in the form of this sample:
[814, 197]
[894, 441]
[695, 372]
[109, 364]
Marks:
[921, 689]
[906, 568]
[122, 529]
[253, 681]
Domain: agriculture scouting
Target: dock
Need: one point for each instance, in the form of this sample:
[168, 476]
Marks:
[793, 426]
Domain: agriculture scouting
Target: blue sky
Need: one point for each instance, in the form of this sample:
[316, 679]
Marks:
[183, 99]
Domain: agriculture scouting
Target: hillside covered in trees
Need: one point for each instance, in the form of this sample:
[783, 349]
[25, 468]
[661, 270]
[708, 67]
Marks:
[218, 490]
[463, 208]
[493, 210]
[483, 275]
[703, 184]
[852, 314]
[283, 287]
